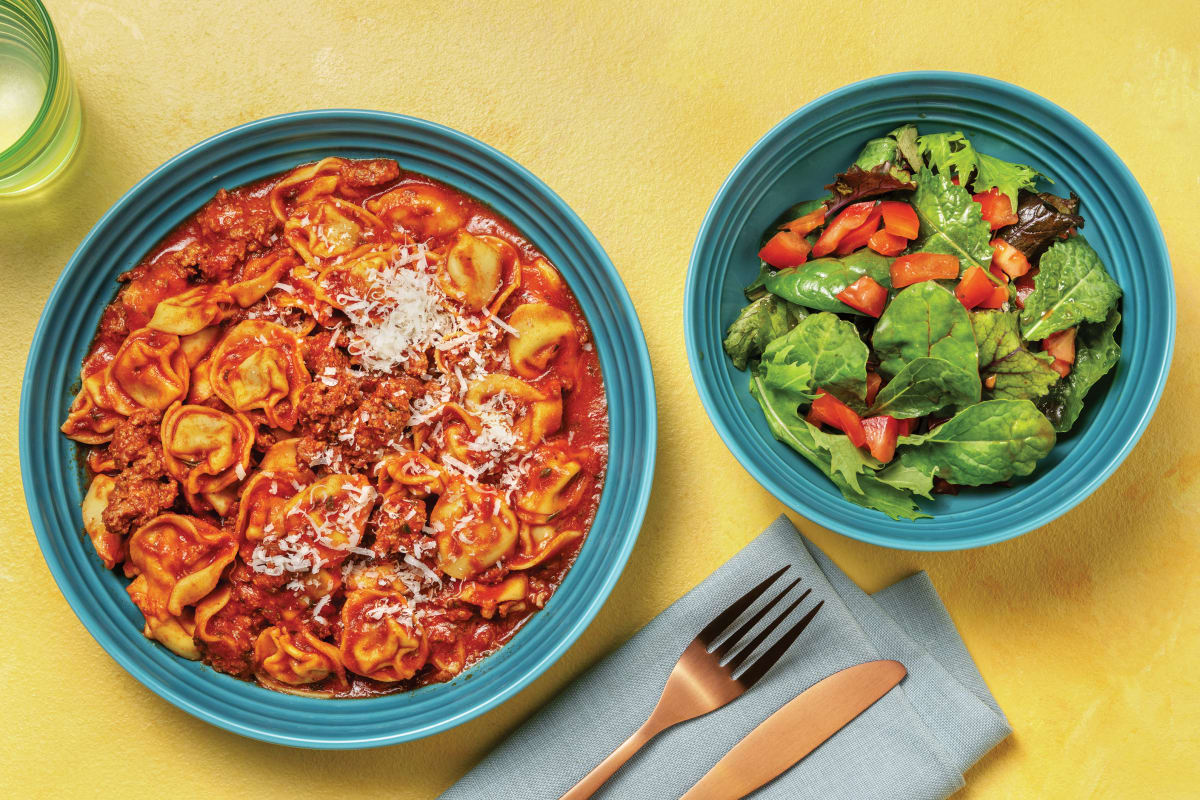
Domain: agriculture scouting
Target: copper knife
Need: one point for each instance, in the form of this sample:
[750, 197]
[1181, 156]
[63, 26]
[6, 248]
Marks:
[797, 729]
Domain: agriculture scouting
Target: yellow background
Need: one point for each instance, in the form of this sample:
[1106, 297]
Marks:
[1086, 630]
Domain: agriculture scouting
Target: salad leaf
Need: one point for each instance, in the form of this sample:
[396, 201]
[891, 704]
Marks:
[1071, 287]
[985, 443]
[1019, 373]
[951, 222]
[1041, 220]
[906, 144]
[857, 184]
[952, 154]
[925, 319]
[757, 287]
[767, 318]
[834, 352]
[791, 380]
[816, 283]
[902, 476]
[1096, 352]
[877, 152]
[850, 469]
[1006, 176]
[926, 385]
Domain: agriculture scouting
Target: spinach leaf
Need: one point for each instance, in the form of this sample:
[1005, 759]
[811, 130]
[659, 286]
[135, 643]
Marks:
[850, 469]
[951, 222]
[952, 154]
[757, 287]
[925, 319]
[1041, 220]
[902, 476]
[926, 385]
[858, 184]
[1019, 374]
[767, 318]
[1096, 352]
[1071, 287]
[816, 284]
[985, 443]
[832, 349]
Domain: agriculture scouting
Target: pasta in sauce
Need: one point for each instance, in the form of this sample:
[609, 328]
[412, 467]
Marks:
[345, 429]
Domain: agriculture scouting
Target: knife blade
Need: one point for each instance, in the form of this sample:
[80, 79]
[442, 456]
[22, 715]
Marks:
[796, 729]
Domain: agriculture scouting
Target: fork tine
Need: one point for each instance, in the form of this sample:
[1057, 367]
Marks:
[737, 660]
[759, 668]
[729, 643]
[723, 620]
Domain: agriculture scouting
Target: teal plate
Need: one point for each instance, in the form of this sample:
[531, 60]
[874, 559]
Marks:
[794, 161]
[162, 200]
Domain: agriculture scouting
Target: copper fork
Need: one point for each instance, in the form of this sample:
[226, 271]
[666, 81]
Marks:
[700, 683]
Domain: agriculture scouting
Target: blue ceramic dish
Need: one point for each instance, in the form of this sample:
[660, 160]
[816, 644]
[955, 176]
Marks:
[164, 199]
[798, 157]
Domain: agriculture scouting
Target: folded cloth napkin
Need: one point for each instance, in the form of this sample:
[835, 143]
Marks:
[914, 743]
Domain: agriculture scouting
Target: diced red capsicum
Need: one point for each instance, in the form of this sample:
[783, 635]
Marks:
[1009, 259]
[833, 412]
[899, 219]
[887, 244]
[861, 235]
[785, 249]
[806, 224]
[1061, 346]
[997, 208]
[917, 267]
[907, 426]
[882, 433]
[974, 288]
[851, 217]
[997, 299]
[874, 381]
[865, 295]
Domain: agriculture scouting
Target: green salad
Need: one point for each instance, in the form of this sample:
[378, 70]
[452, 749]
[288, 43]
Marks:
[934, 321]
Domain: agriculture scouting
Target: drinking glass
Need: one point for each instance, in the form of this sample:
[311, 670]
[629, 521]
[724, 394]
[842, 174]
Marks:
[40, 118]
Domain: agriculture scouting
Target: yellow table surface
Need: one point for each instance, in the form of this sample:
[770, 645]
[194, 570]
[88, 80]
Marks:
[1087, 630]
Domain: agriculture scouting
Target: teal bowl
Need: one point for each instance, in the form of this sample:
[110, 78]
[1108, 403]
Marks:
[165, 198]
[797, 157]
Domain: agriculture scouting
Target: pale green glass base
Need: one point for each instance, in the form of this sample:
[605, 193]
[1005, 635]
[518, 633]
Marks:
[45, 148]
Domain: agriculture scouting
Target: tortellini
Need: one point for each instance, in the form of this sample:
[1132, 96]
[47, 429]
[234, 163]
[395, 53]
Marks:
[425, 210]
[475, 529]
[541, 412]
[541, 332]
[490, 596]
[476, 269]
[553, 485]
[261, 274]
[296, 658]
[181, 559]
[374, 642]
[193, 310]
[205, 449]
[411, 472]
[331, 514]
[329, 227]
[150, 370]
[108, 545]
[259, 365]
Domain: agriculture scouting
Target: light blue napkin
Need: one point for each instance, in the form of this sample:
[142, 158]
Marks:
[915, 743]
